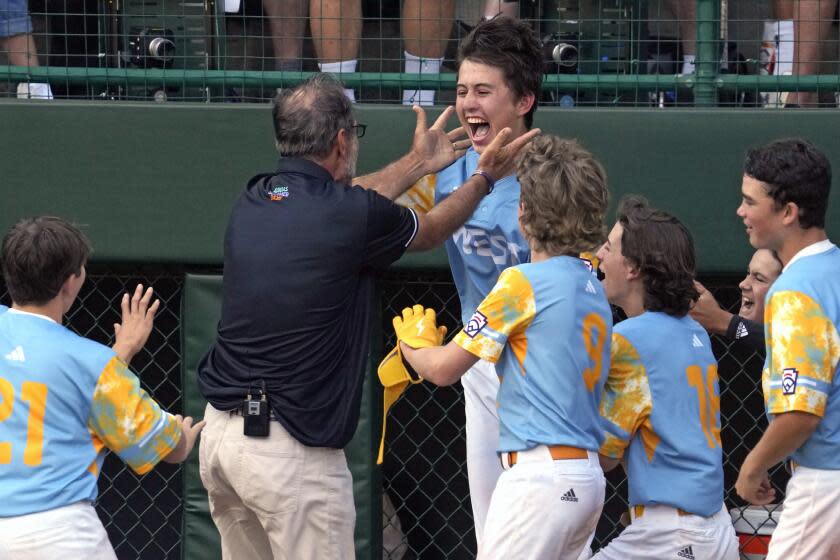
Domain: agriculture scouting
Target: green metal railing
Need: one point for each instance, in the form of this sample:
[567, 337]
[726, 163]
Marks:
[705, 86]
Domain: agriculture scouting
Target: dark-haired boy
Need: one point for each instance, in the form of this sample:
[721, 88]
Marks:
[784, 200]
[65, 399]
[661, 401]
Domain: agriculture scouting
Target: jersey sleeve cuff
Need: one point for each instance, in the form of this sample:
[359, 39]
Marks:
[480, 347]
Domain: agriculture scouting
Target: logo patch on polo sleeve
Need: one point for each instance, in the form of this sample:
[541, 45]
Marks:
[279, 192]
[789, 377]
[477, 322]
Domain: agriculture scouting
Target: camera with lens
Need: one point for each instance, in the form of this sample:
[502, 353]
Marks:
[560, 56]
[151, 47]
[560, 52]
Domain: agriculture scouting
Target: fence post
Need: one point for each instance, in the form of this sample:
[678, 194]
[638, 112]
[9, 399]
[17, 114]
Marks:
[707, 64]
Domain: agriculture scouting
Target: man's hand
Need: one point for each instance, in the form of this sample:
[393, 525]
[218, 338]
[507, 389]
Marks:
[708, 312]
[418, 327]
[137, 321]
[754, 485]
[435, 147]
[189, 433]
[499, 158]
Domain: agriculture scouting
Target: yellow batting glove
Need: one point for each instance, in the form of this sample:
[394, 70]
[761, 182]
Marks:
[395, 378]
[418, 327]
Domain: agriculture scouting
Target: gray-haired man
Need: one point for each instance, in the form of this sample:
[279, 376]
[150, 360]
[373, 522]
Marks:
[302, 250]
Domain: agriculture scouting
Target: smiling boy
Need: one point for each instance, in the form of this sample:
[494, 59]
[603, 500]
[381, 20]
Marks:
[499, 79]
[784, 200]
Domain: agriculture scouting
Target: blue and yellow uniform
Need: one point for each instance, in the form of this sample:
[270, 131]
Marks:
[801, 319]
[64, 399]
[489, 241]
[547, 327]
[661, 413]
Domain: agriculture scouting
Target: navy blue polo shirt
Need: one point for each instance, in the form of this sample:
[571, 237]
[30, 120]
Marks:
[301, 255]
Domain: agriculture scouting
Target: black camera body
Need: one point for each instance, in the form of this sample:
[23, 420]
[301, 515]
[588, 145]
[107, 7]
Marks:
[151, 47]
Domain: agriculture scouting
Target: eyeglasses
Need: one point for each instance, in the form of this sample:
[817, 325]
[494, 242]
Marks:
[360, 129]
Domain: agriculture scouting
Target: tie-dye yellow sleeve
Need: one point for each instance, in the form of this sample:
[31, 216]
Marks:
[625, 402]
[421, 196]
[503, 316]
[803, 352]
[128, 421]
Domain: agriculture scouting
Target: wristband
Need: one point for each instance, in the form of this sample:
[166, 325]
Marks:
[490, 181]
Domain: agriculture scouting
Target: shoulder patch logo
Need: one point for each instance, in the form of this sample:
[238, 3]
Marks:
[695, 341]
[741, 331]
[279, 192]
[477, 322]
[789, 377]
[590, 287]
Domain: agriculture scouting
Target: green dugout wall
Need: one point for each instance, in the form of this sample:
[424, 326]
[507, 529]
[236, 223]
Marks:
[153, 184]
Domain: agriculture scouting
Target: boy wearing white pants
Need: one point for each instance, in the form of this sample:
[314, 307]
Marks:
[785, 192]
[546, 325]
[499, 81]
[660, 407]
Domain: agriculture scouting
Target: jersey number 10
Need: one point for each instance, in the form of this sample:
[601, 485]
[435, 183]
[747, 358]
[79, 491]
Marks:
[36, 395]
[709, 401]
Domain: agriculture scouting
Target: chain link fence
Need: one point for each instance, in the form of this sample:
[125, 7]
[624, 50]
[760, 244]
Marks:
[605, 53]
[424, 478]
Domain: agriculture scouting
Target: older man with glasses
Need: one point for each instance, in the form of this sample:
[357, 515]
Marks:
[284, 376]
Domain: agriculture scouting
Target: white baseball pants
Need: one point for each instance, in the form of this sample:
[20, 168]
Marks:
[662, 532]
[68, 532]
[544, 509]
[481, 385]
[808, 526]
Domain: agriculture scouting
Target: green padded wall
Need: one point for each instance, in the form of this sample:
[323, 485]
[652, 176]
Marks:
[154, 183]
[200, 309]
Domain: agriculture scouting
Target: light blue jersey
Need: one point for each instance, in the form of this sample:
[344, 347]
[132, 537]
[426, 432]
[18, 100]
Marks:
[661, 412]
[801, 318]
[490, 240]
[63, 400]
[547, 327]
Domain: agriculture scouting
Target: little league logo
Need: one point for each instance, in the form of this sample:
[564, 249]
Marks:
[279, 193]
[789, 376]
[476, 323]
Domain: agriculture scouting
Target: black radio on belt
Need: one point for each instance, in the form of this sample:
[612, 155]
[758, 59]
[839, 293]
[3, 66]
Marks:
[255, 413]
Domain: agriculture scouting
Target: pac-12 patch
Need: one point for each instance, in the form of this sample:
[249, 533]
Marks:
[789, 377]
[475, 324]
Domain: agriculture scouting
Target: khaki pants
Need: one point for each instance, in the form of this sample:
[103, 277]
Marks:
[275, 497]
